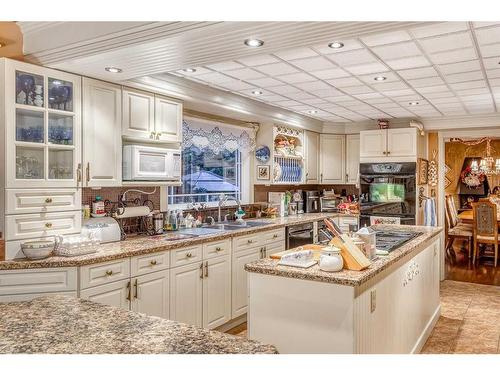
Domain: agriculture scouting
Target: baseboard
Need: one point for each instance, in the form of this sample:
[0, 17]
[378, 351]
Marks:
[232, 323]
[427, 331]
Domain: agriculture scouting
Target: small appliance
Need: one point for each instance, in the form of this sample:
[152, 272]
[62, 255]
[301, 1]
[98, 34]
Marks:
[106, 229]
[277, 200]
[312, 202]
[143, 163]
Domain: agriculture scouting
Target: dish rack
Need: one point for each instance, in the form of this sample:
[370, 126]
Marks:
[288, 155]
[76, 244]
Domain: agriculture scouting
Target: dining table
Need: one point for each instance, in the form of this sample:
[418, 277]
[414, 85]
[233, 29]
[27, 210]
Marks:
[467, 217]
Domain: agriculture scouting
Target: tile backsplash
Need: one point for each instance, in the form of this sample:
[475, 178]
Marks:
[112, 194]
[260, 191]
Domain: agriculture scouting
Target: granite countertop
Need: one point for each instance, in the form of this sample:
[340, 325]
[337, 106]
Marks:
[146, 245]
[66, 325]
[349, 277]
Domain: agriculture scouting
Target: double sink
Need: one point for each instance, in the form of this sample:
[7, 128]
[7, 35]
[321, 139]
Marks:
[215, 228]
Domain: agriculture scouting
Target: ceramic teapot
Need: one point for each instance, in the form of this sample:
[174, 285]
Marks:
[330, 259]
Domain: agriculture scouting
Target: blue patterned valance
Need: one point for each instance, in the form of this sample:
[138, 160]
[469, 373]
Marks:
[217, 137]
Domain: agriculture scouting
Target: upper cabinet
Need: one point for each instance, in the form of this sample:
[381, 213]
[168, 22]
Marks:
[352, 159]
[332, 159]
[312, 157]
[391, 144]
[42, 126]
[150, 117]
[102, 119]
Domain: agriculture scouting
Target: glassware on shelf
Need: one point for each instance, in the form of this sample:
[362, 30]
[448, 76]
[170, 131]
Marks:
[60, 95]
[60, 129]
[29, 126]
[60, 164]
[29, 163]
[29, 89]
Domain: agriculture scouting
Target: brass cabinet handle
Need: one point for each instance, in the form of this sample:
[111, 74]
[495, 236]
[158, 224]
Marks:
[264, 249]
[321, 177]
[78, 174]
[384, 152]
[250, 241]
[189, 255]
[275, 236]
[201, 270]
[218, 248]
[87, 173]
[109, 272]
[48, 225]
[48, 200]
[206, 269]
[136, 289]
[388, 152]
[158, 135]
[152, 135]
[129, 293]
[153, 262]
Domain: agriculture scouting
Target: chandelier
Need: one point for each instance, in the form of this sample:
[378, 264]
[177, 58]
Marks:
[487, 164]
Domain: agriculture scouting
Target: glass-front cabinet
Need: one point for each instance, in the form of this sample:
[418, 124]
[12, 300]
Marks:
[42, 127]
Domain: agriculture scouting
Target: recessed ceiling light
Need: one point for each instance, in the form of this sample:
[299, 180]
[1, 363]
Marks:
[380, 78]
[112, 69]
[336, 45]
[254, 42]
[413, 103]
[257, 92]
[312, 111]
[189, 70]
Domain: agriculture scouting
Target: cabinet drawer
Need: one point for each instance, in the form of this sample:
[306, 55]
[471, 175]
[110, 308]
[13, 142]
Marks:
[103, 273]
[44, 224]
[25, 201]
[185, 255]
[37, 281]
[247, 242]
[215, 249]
[143, 264]
[273, 235]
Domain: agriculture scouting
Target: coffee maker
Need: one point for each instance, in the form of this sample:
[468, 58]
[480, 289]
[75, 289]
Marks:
[311, 201]
[298, 197]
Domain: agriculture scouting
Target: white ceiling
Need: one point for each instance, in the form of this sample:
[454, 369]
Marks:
[449, 68]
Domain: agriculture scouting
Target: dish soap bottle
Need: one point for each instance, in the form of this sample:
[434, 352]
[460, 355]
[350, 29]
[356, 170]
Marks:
[98, 207]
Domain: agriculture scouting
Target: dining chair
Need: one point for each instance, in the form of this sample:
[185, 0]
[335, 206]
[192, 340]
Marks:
[459, 231]
[485, 226]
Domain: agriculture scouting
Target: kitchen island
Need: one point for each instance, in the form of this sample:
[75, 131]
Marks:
[390, 307]
[66, 325]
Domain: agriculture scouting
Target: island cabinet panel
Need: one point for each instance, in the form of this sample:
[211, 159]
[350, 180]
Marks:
[217, 292]
[239, 293]
[150, 294]
[44, 280]
[186, 293]
[116, 294]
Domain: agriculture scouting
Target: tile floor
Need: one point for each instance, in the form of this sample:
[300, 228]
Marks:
[469, 321]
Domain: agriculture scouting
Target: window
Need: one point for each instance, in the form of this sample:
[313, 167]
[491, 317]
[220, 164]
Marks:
[214, 161]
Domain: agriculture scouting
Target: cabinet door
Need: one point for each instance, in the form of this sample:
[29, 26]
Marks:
[402, 142]
[332, 163]
[102, 141]
[352, 158]
[114, 294]
[138, 114]
[168, 120]
[217, 292]
[186, 293]
[373, 143]
[239, 280]
[150, 294]
[312, 157]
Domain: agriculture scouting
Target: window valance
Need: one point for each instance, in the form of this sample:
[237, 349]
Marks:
[217, 137]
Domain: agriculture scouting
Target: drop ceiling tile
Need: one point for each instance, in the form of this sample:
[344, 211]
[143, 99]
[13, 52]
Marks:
[387, 86]
[438, 88]
[355, 57]
[349, 45]
[370, 78]
[357, 90]
[476, 99]
[299, 108]
[314, 101]
[408, 62]
[287, 103]
[491, 63]
[486, 109]
[370, 95]
[465, 66]
[313, 63]
[395, 93]
[454, 112]
[448, 105]
[468, 85]
[494, 73]
[276, 69]
[484, 24]
[367, 68]
[344, 82]
[264, 82]
[438, 94]
[300, 95]
[464, 77]
[408, 98]
[284, 89]
[399, 113]
[235, 85]
[396, 51]
[214, 78]
[448, 99]
[245, 73]
[296, 78]
[488, 36]
[272, 98]
[223, 66]
[376, 101]
[258, 60]
[438, 29]
[338, 99]
[386, 38]
[424, 82]
[418, 73]
[330, 73]
[494, 82]
[313, 85]
[199, 70]
[447, 42]
[490, 50]
[253, 96]
[453, 56]
[296, 53]
[326, 93]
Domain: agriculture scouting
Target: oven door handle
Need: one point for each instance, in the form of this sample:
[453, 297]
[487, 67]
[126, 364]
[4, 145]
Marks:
[293, 234]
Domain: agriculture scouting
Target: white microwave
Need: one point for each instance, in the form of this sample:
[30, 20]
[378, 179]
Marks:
[142, 163]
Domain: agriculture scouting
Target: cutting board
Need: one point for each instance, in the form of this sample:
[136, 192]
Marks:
[315, 248]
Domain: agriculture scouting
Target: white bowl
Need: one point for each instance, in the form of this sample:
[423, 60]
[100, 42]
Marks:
[37, 249]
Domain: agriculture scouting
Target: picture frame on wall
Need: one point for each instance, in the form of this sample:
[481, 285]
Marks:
[263, 172]
[422, 170]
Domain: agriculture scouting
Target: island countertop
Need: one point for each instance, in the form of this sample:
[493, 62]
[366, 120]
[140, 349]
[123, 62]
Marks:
[66, 325]
[147, 245]
[348, 277]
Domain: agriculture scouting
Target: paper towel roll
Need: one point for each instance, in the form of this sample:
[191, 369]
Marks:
[133, 212]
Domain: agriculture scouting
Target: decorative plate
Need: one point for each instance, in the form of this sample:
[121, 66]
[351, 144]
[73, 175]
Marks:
[262, 154]
[277, 172]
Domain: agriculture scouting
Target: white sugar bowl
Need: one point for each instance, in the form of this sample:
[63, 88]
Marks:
[330, 259]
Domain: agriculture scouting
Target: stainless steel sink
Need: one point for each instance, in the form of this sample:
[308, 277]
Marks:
[202, 231]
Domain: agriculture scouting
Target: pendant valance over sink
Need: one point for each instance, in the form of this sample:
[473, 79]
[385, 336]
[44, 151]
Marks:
[217, 137]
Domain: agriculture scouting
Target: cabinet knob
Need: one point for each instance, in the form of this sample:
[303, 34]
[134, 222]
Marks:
[250, 241]
[152, 135]
[48, 200]
[189, 255]
[48, 225]
[158, 136]
[153, 262]
[388, 152]
[275, 236]
[218, 249]
[109, 272]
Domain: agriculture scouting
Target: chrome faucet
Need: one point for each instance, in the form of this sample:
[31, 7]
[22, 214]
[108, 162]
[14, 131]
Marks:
[211, 220]
[223, 199]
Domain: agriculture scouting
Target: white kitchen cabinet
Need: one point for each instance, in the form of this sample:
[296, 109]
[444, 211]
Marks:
[332, 159]
[186, 293]
[312, 157]
[400, 144]
[217, 292]
[138, 114]
[352, 159]
[168, 120]
[43, 280]
[116, 294]
[28, 201]
[150, 294]
[239, 303]
[373, 143]
[102, 142]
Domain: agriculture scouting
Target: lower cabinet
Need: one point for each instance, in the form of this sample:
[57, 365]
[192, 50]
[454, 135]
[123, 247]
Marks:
[150, 294]
[186, 293]
[114, 294]
[217, 292]
[239, 280]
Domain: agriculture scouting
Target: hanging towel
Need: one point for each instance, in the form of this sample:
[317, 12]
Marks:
[430, 212]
